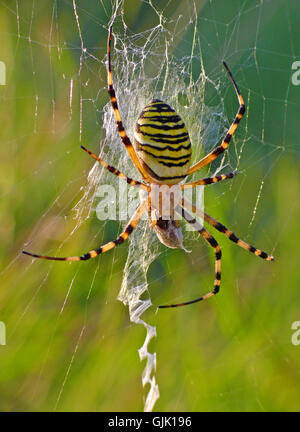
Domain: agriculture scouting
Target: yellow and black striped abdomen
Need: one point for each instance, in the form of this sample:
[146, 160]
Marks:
[162, 143]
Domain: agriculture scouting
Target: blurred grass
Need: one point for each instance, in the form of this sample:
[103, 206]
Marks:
[231, 353]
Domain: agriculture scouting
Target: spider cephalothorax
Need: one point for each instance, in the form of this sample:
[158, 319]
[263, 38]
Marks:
[161, 152]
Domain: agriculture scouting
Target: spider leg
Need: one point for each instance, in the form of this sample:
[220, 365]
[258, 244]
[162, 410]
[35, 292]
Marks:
[94, 253]
[209, 180]
[117, 172]
[113, 99]
[225, 143]
[220, 227]
[213, 243]
[151, 214]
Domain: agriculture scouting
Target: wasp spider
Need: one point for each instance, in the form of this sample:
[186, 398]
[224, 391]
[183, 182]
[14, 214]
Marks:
[161, 152]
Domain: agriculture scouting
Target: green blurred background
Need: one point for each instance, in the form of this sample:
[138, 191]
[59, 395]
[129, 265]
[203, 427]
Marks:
[70, 344]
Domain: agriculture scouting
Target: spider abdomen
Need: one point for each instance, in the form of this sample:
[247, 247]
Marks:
[162, 143]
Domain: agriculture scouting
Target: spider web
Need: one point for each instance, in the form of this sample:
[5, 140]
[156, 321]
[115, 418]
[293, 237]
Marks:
[146, 67]
[168, 56]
